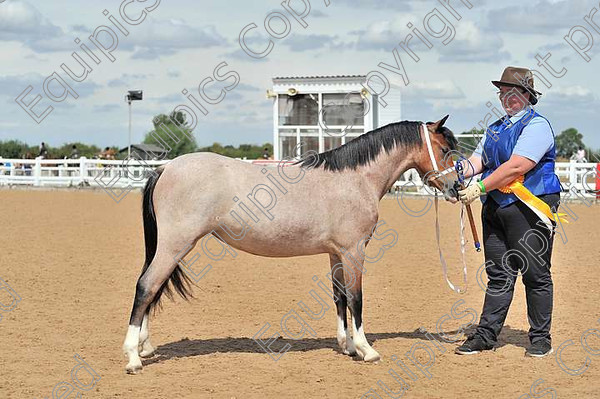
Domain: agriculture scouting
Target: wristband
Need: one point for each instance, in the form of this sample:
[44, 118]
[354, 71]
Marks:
[481, 186]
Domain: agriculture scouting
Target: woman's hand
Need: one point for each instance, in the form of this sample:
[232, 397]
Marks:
[470, 194]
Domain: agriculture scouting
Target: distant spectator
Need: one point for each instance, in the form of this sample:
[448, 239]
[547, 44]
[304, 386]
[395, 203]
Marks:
[581, 155]
[108, 153]
[74, 152]
[43, 151]
[26, 167]
[265, 154]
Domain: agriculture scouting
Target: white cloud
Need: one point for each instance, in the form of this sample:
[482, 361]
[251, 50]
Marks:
[158, 38]
[570, 94]
[403, 5]
[471, 44]
[173, 73]
[299, 42]
[21, 21]
[13, 85]
[111, 107]
[386, 34]
[441, 89]
[541, 17]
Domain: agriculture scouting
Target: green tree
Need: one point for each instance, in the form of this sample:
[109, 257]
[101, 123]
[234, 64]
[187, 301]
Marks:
[568, 142]
[592, 155]
[249, 151]
[13, 149]
[169, 129]
[468, 141]
[84, 150]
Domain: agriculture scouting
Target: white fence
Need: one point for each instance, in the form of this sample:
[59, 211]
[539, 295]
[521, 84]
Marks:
[120, 174]
[582, 179]
[75, 172]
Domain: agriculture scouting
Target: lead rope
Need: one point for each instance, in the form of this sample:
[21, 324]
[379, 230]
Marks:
[458, 290]
[463, 242]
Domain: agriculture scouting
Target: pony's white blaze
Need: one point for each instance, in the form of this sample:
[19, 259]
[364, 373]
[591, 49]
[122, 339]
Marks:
[130, 347]
[362, 346]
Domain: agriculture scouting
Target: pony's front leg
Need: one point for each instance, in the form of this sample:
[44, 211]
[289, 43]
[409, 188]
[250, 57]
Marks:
[364, 350]
[344, 338]
[353, 276]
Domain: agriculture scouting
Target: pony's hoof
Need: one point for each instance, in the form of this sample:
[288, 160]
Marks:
[147, 352]
[372, 357]
[349, 352]
[133, 368]
[346, 346]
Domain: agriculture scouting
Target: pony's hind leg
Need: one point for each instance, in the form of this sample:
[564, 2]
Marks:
[145, 347]
[147, 287]
[344, 338]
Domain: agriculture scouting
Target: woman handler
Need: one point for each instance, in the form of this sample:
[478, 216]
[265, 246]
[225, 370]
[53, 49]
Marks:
[517, 226]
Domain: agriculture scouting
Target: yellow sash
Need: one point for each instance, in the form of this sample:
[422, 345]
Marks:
[538, 206]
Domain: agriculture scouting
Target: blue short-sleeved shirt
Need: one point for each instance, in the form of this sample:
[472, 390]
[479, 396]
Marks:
[535, 140]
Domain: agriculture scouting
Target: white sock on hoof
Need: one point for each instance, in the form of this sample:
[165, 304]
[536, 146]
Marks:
[350, 343]
[130, 347]
[342, 337]
[145, 347]
[363, 349]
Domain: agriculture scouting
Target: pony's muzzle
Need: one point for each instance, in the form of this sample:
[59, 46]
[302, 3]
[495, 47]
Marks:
[447, 183]
[451, 191]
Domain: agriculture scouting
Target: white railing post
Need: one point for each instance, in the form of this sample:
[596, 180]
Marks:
[573, 174]
[82, 170]
[115, 173]
[37, 171]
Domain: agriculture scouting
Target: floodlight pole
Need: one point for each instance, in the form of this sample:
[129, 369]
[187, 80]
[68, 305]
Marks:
[129, 146]
[132, 95]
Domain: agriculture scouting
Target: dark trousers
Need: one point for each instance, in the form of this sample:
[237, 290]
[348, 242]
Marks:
[513, 242]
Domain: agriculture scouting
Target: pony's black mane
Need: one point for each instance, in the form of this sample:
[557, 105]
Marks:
[368, 146]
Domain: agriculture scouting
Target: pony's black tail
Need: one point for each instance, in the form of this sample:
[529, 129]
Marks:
[180, 281]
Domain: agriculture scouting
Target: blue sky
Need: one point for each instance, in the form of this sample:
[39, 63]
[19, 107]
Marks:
[181, 42]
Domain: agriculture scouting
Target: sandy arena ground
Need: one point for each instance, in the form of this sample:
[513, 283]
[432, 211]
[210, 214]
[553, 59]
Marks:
[74, 257]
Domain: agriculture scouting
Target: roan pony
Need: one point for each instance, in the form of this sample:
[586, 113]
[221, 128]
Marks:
[192, 195]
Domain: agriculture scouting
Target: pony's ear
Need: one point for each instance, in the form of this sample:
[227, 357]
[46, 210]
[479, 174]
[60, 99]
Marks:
[434, 126]
[441, 122]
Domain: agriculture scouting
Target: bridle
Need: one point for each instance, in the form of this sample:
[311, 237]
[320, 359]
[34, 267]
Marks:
[437, 220]
[429, 148]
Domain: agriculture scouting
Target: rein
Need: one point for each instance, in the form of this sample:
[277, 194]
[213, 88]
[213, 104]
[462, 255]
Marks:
[454, 288]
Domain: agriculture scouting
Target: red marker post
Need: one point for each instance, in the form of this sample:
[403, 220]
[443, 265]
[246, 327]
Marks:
[598, 181]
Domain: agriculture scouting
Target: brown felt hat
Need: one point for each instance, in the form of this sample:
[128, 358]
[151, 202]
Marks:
[519, 77]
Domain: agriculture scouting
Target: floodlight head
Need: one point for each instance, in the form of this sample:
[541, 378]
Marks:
[134, 95]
